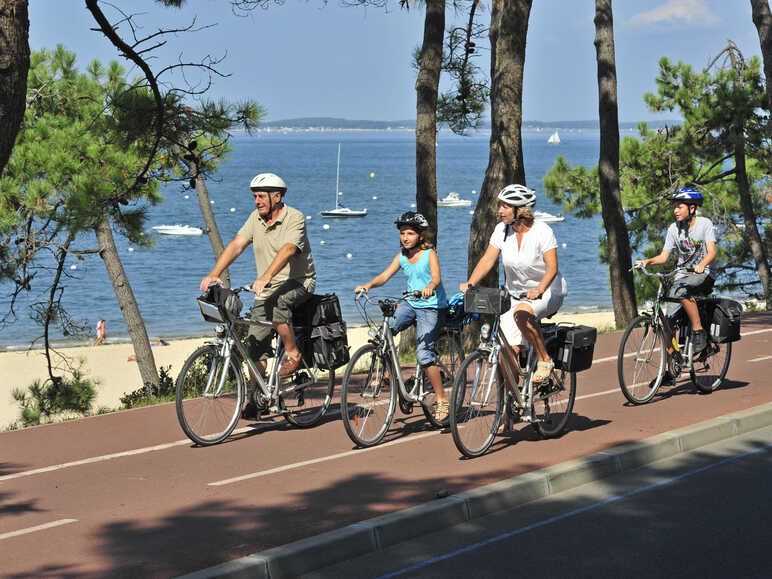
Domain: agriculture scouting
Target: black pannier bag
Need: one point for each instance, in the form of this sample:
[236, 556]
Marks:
[486, 300]
[323, 331]
[725, 320]
[573, 347]
[220, 304]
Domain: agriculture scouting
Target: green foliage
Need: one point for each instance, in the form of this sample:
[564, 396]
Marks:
[701, 152]
[44, 400]
[149, 394]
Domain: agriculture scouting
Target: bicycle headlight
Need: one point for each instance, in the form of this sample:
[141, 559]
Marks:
[219, 330]
[485, 331]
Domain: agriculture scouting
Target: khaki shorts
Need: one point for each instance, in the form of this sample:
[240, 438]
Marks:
[276, 309]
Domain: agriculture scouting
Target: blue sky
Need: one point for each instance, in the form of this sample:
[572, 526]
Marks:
[305, 59]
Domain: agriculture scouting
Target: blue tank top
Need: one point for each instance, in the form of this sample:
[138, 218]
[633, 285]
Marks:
[419, 275]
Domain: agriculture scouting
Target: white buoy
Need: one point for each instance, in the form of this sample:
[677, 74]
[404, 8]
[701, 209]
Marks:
[562, 245]
[233, 210]
[349, 256]
[375, 197]
[131, 249]
[308, 217]
[73, 266]
[412, 205]
[187, 196]
[326, 226]
[471, 212]
[322, 242]
[340, 192]
[474, 192]
[212, 202]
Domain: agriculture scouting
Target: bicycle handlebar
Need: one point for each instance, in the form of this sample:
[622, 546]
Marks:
[642, 268]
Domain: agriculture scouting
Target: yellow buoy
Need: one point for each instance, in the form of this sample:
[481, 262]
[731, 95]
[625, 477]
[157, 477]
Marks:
[372, 175]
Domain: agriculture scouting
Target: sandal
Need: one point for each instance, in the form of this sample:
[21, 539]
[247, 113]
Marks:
[290, 365]
[543, 371]
[441, 411]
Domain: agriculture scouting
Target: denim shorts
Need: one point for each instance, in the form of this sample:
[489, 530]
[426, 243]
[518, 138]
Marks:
[428, 325]
[691, 284]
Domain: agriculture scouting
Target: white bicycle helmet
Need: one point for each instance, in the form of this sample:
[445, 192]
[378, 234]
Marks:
[518, 196]
[267, 182]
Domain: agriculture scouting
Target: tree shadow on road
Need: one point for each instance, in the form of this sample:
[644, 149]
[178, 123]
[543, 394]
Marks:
[21, 508]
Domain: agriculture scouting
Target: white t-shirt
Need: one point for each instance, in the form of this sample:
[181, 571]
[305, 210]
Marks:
[524, 267]
[691, 245]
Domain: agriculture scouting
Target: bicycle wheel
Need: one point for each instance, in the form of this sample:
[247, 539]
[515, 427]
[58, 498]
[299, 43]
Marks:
[710, 367]
[430, 400]
[310, 395]
[641, 360]
[476, 405]
[209, 396]
[554, 402]
[368, 396]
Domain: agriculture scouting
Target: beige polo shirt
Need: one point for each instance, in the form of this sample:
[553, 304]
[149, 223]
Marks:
[289, 227]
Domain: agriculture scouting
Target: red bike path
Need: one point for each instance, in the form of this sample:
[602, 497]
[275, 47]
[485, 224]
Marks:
[126, 494]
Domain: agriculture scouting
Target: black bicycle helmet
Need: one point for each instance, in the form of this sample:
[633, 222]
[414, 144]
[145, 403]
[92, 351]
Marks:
[412, 219]
[688, 195]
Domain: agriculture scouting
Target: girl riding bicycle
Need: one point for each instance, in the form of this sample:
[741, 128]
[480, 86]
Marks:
[418, 260]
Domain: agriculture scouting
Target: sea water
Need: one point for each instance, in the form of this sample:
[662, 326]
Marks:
[377, 172]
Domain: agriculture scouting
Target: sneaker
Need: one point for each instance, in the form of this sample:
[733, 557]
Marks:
[699, 342]
[249, 412]
[667, 380]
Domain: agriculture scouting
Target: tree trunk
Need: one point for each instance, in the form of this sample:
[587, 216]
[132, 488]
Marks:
[619, 252]
[427, 88]
[14, 65]
[212, 231]
[762, 18]
[751, 230]
[509, 27]
[125, 295]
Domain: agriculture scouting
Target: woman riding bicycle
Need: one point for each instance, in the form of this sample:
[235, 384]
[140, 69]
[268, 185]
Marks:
[693, 239]
[419, 261]
[529, 254]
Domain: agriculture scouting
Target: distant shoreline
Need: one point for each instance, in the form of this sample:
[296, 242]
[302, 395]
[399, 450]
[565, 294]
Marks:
[336, 124]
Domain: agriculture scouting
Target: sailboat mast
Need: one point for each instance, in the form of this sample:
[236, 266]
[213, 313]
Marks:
[337, 177]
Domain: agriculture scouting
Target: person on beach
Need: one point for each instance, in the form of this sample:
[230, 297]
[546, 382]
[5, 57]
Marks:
[286, 272]
[529, 254]
[693, 239]
[101, 333]
[418, 260]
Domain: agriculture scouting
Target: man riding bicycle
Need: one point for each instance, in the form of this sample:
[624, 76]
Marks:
[693, 239]
[286, 273]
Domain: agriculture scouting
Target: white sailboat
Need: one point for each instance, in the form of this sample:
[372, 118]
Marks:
[554, 138]
[340, 210]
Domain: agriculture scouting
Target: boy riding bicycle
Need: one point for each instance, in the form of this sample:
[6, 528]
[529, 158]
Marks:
[693, 239]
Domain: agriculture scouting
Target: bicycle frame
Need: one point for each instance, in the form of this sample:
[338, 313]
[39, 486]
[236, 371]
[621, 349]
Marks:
[388, 347]
[659, 320]
[494, 348]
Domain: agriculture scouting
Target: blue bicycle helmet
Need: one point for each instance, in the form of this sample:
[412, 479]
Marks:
[688, 195]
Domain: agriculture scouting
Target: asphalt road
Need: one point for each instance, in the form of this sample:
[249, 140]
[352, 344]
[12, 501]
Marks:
[707, 513]
[127, 494]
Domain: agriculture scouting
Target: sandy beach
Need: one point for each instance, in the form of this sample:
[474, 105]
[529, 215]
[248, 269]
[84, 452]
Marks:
[118, 375]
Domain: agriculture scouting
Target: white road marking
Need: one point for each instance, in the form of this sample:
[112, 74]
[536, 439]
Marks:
[37, 528]
[184, 442]
[303, 463]
[760, 359]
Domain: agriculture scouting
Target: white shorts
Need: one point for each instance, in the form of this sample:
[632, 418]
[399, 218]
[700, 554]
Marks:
[546, 305]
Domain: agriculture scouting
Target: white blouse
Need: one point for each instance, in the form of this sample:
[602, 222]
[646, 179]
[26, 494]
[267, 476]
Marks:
[524, 266]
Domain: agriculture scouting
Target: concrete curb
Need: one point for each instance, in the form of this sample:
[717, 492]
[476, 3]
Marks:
[375, 534]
